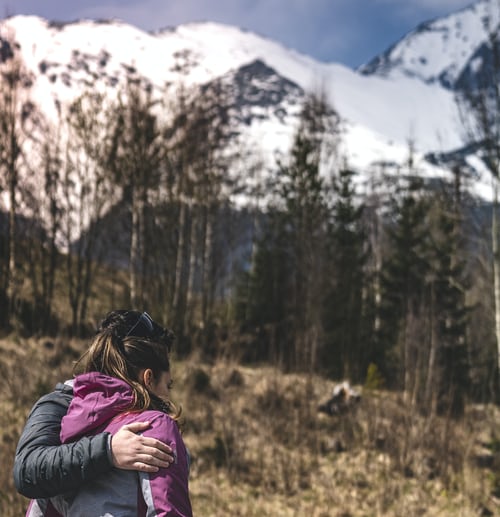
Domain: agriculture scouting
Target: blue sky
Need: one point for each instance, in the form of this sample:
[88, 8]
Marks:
[343, 31]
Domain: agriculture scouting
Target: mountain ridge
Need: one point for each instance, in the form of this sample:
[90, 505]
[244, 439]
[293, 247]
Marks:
[382, 107]
[453, 38]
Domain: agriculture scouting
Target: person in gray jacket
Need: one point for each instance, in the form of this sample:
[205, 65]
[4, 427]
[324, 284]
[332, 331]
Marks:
[124, 378]
[43, 467]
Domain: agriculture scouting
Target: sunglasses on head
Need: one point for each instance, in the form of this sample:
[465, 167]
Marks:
[145, 327]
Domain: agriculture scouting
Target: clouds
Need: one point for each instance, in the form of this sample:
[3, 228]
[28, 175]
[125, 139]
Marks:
[347, 31]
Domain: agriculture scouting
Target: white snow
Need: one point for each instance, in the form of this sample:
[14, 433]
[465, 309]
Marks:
[381, 114]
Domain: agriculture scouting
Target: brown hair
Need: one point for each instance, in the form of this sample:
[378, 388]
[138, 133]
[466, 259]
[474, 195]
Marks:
[124, 358]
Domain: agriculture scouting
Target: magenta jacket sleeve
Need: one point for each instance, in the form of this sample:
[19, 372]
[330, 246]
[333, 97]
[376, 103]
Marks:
[166, 492]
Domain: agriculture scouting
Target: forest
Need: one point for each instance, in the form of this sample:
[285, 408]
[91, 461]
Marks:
[277, 284]
[137, 202]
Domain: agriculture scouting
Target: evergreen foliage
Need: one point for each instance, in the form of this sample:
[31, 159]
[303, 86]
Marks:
[403, 280]
[315, 291]
[450, 308]
[347, 333]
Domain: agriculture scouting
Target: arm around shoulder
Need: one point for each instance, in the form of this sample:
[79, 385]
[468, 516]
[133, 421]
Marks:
[42, 466]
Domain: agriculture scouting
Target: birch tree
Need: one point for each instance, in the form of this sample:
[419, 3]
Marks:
[135, 160]
[199, 168]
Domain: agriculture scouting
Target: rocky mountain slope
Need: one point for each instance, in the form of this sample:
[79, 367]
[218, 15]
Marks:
[405, 94]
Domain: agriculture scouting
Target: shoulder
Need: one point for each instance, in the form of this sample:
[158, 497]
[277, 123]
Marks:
[158, 419]
[59, 398]
[162, 426]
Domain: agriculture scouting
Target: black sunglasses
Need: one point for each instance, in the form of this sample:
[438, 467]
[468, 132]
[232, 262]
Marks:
[145, 327]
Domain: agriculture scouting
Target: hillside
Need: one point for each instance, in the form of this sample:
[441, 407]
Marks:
[260, 448]
[405, 94]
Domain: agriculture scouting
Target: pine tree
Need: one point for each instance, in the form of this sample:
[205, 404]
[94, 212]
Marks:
[346, 353]
[450, 374]
[404, 286]
[479, 104]
[295, 244]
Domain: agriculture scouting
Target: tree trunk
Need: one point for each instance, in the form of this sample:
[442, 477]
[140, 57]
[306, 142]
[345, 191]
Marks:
[496, 266]
[430, 384]
[192, 267]
[179, 261]
[11, 263]
[207, 272]
[134, 249]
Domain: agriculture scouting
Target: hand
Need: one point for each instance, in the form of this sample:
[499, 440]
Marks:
[131, 451]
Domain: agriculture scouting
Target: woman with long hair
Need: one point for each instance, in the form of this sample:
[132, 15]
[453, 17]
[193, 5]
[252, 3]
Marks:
[124, 377]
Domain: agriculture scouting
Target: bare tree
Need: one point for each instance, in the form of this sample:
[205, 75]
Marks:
[197, 139]
[44, 212]
[87, 194]
[135, 160]
[15, 110]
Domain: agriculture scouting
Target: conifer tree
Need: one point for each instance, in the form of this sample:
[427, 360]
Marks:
[295, 243]
[404, 286]
[447, 375]
[479, 104]
[261, 293]
[346, 353]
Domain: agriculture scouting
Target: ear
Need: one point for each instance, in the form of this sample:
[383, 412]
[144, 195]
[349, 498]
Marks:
[147, 377]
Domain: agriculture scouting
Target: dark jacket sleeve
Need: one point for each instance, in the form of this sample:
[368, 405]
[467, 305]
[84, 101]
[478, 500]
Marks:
[42, 466]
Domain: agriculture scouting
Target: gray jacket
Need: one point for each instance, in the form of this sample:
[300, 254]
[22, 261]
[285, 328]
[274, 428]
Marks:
[42, 466]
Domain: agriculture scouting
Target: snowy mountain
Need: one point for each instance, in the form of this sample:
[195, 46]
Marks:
[407, 93]
[440, 51]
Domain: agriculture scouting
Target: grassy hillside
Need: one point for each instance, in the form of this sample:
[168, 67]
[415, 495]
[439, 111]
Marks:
[260, 448]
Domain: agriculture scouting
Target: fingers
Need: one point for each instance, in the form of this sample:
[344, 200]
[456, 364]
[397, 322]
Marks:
[144, 467]
[132, 451]
[157, 457]
[136, 427]
[145, 461]
[161, 447]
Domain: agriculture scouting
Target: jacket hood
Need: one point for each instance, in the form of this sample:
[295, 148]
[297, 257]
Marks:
[97, 398]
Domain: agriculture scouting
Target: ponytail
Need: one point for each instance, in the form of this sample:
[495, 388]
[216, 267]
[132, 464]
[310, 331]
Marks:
[124, 358]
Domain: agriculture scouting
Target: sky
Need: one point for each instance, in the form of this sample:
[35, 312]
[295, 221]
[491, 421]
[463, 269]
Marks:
[350, 32]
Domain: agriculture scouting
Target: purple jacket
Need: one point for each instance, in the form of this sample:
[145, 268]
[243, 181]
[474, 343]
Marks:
[99, 404]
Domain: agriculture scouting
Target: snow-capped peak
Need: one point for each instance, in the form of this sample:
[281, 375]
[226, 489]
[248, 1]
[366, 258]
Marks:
[403, 95]
[438, 51]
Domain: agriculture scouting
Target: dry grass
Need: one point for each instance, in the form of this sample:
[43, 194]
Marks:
[260, 448]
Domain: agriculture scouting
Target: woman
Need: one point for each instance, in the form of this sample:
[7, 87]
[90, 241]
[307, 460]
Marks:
[125, 378]
[43, 467]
